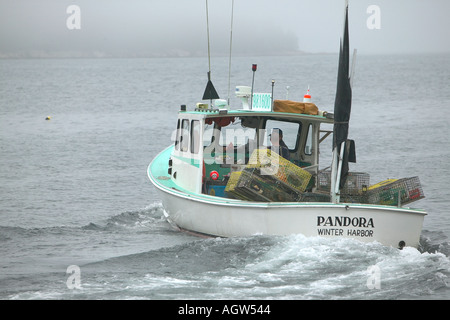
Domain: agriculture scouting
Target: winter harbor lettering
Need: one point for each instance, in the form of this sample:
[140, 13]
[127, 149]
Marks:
[356, 222]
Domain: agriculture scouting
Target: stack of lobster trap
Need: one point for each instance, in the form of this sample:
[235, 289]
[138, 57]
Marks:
[269, 177]
[391, 192]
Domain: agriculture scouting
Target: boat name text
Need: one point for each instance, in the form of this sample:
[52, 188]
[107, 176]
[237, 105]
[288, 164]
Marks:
[335, 221]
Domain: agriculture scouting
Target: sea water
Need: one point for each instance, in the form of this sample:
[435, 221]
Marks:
[79, 218]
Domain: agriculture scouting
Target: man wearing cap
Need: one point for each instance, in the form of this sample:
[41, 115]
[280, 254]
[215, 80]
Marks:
[278, 145]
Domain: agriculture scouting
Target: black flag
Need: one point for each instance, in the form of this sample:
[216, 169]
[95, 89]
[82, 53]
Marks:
[210, 91]
[343, 100]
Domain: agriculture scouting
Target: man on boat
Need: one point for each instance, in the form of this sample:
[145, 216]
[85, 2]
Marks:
[278, 145]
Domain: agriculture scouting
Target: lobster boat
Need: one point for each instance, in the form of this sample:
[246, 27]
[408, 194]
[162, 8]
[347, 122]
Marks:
[256, 170]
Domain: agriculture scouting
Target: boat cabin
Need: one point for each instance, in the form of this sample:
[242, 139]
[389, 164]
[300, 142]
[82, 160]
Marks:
[211, 144]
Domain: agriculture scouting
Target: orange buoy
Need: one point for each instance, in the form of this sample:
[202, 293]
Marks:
[307, 96]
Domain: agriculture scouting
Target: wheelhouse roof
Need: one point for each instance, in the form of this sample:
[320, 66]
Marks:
[216, 113]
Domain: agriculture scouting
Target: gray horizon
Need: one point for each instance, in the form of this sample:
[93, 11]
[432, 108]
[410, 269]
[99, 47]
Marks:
[178, 28]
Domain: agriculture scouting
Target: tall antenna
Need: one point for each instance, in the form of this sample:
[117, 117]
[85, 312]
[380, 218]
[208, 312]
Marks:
[210, 92]
[231, 45]
[207, 33]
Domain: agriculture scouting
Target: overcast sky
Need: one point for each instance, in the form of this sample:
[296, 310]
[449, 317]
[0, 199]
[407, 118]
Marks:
[178, 27]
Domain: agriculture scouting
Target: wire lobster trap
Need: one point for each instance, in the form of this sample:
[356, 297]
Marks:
[283, 170]
[356, 184]
[250, 184]
[395, 192]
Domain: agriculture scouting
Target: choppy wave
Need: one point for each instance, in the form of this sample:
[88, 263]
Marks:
[261, 267]
[181, 266]
[436, 241]
[148, 218]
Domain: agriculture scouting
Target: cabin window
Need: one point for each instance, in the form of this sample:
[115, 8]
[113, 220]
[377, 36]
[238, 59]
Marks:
[195, 136]
[208, 135]
[309, 139]
[238, 142]
[178, 137]
[291, 131]
[184, 140]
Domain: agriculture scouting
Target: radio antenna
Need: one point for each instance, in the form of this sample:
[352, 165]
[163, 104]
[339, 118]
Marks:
[207, 34]
[210, 92]
[231, 45]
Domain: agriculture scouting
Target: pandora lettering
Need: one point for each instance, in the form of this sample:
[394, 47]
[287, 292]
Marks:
[335, 221]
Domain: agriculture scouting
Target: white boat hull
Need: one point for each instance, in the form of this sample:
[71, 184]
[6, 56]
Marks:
[234, 218]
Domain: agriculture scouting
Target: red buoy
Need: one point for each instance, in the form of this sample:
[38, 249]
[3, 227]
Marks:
[214, 175]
